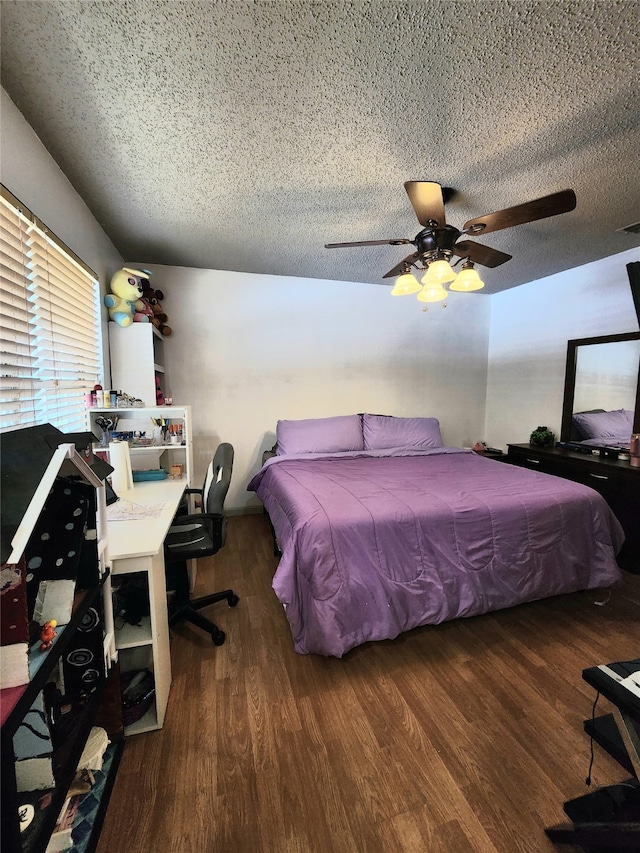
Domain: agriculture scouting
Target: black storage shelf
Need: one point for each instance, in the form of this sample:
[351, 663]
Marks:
[40, 464]
[34, 842]
[82, 602]
[65, 758]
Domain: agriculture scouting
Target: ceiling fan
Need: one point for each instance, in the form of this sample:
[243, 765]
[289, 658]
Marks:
[438, 241]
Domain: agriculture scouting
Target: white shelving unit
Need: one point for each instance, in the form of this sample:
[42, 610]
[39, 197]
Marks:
[155, 456]
[136, 550]
[136, 353]
[132, 636]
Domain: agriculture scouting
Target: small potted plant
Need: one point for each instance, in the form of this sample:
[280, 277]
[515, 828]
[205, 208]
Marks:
[542, 437]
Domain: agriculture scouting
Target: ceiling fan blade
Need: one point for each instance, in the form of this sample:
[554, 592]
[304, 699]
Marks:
[427, 201]
[540, 208]
[398, 242]
[480, 254]
[400, 268]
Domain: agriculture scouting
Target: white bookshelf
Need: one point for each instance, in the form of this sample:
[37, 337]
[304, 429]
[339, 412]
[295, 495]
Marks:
[157, 456]
[136, 354]
[136, 550]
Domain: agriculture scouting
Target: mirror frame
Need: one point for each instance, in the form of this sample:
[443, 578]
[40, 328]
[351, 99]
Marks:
[570, 379]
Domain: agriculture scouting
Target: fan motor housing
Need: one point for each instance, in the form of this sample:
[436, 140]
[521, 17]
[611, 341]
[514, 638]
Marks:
[432, 240]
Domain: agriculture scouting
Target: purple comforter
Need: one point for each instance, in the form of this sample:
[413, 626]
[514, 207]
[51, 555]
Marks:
[374, 544]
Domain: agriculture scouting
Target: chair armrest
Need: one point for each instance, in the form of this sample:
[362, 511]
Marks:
[184, 507]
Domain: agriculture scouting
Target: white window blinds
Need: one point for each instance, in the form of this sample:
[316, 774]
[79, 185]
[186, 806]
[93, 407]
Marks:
[50, 348]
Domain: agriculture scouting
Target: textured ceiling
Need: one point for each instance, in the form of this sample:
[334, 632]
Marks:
[245, 135]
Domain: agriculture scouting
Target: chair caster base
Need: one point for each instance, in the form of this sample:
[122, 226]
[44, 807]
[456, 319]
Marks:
[233, 600]
[218, 638]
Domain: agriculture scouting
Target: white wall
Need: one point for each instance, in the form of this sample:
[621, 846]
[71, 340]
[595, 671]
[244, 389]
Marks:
[530, 327]
[32, 175]
[248, 350]
[29, 172]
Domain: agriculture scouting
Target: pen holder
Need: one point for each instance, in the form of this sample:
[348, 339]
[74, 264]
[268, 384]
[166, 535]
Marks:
[157, 435]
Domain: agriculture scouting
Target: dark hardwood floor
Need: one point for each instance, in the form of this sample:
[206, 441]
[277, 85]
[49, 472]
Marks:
[466, 736]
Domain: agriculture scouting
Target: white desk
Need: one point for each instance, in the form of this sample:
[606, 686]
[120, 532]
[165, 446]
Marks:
[136, 547]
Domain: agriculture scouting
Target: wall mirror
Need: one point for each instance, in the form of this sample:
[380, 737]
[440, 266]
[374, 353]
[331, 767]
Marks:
[602, 373]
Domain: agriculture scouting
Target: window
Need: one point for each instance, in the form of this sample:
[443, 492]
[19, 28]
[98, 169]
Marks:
[50, 346]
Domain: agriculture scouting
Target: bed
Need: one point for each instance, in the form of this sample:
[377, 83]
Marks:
[382, 529]
[598, 428]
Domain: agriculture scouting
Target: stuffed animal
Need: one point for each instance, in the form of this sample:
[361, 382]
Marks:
[153, 299]
[145, 314]
[124, 300]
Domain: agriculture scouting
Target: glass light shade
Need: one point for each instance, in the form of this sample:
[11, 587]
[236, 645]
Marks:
[405, 284]
[432, 293]
[438, 272]
[468, 279]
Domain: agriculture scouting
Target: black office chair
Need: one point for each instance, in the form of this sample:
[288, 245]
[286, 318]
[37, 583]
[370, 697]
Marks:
[200, 534]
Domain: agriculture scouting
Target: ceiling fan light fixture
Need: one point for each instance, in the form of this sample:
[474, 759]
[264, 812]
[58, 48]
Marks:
[438, 240]
[438, 272]
[432, 293]
[405, 284]
[467, 279]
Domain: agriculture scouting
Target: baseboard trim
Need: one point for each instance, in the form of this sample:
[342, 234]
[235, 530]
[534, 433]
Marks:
[244, 510]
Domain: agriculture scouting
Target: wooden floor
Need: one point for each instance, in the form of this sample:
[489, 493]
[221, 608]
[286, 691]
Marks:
[461, 737]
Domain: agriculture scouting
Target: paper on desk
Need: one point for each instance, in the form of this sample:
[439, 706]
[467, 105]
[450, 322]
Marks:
[128, 511]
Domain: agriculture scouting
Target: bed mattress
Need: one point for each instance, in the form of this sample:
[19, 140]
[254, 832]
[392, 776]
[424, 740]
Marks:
[374, 544]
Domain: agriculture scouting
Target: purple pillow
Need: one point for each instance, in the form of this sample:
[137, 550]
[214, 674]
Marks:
[603, 424]
[382, 432]
[319, 435]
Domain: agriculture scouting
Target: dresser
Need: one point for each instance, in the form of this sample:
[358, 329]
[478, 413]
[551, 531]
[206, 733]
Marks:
[615, 480]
